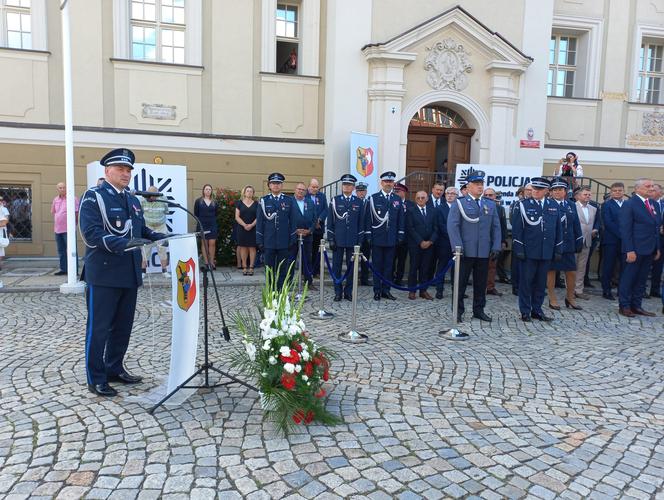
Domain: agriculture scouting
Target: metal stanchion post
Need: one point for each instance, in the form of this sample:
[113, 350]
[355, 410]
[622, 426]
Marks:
[453, 332]
[322, 313]
[353, 336]
[300, 246]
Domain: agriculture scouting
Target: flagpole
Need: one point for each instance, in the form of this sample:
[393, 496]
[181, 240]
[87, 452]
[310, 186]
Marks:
[72, 285]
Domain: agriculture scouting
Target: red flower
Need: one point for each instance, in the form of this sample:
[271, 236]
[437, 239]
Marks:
[317, 360]
[320, 393]
[294, 357]
[288, 381]
[308, 369]
[296, 345]
[326, 375]
[309, 417]
[298, 416]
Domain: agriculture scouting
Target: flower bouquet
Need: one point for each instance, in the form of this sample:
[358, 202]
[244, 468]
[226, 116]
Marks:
[278, 352]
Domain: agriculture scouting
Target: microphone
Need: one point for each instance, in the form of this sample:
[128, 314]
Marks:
[135, 192]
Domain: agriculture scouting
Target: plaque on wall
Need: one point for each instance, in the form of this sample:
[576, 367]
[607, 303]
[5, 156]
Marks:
[158, 111]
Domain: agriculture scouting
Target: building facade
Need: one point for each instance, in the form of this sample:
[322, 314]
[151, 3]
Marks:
[237, 89]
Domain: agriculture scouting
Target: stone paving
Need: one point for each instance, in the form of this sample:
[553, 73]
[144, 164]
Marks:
[573, 409]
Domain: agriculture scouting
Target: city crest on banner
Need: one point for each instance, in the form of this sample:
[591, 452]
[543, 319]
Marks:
[363, 159]
[186, 283]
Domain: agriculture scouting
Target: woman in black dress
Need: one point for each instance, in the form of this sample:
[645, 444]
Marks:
[245, 216]
[205, 208]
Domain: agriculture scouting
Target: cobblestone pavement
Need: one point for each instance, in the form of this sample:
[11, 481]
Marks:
[572, 409]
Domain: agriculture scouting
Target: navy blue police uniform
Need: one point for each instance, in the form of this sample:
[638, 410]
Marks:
[319, 201]
[275, 229]
[537, 240]
[383, 229]
[401, 250]
[571, 231]
[442, 247]
[473, 224]
[639, 233]
[610, 243]
[108, 220]
[515, 263]
[344, 231]
[365, 247]
[305, 218]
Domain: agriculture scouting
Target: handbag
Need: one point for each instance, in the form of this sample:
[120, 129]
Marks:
[4, 239]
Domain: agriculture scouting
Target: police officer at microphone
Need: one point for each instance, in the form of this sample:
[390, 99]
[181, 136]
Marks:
[113, 229]
[344, 231]
[537, 239]
[473, 225]
[384, 227]
[276, 229]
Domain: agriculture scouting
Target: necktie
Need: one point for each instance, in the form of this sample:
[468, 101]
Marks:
[424, 212]
[649, 206]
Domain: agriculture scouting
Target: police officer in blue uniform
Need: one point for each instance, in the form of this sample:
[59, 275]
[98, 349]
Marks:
[275, 227]
[473, 224]
[401, 250]
[365, 248]
[344, 231]
[305, 221]
[384, 227]
[113, 229]
[537, 240]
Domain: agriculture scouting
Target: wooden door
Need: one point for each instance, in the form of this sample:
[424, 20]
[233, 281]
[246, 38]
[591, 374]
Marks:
[458, 151]
[420, 157]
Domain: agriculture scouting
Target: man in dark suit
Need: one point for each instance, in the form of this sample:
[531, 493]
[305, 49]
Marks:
[656, 272]
[442, 247]
[610, 241]
[639, 234]
[111, 224]
[490, 194]
[401, 251]
[421, 234]
[319, 201]
[305, 223]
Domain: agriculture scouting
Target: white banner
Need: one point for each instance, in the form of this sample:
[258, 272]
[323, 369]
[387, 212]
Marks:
[505, 179]
[364, 160]
[168, 179]
[186, 309]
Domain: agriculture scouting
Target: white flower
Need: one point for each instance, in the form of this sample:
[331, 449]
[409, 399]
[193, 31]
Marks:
[304, 355]
[300, 323]
[251, 350]
[265, 324]
[285, 350]
[267, 345]
[289, 367]
[298, 368]
[305, 378]
[272, 360]
[269, 314]
[293, 330]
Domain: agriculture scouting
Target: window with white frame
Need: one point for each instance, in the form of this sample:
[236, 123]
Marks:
[562, 65]
[158, 30]
[16, 24]
[287, 29]
[649, 82]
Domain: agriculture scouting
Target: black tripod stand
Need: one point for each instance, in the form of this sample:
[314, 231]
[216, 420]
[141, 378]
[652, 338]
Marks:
[207, 366]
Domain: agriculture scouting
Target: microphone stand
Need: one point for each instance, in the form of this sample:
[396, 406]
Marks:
[207, 366]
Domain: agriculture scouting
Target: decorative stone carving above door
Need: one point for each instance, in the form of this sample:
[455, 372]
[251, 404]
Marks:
[447, 65]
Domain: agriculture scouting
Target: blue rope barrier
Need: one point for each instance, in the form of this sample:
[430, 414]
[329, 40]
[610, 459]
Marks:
[329, 269]
[427, 284]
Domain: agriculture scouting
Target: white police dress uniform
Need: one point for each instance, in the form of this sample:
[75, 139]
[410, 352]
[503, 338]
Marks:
[108, 221]
[344, 231]
[536, 241]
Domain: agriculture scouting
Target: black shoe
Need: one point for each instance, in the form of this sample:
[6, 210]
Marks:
[388, 296]
[525, 318]
[507, 281]
[541, 317]
[460, 318]
[515, 291]
[609, 296]
[348, 297]
[102, 390]
[337, 297]
[439, 295]
[646, 296]
[125, 378]
[60, 273]
[376, 296]
[483, 316]
[656, 294]
[560, 284]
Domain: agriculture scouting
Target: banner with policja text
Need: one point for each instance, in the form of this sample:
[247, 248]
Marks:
[505, 179]
[186, 308]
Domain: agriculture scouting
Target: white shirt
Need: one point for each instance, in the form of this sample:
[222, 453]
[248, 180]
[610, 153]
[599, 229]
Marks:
[300, 203]
[585, 211]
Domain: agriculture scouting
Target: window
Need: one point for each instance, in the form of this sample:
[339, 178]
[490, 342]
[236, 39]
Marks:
[562, 65]
[16, 24]
[18, 201]
[288, 41]
[437, 116]
[649, 81]
[158, 30]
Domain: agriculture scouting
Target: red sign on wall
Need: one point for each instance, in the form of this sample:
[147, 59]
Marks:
[525, 143]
